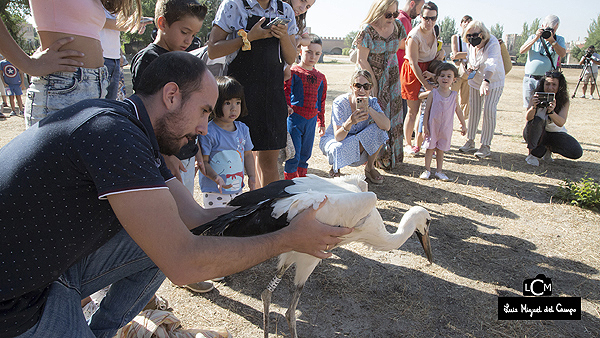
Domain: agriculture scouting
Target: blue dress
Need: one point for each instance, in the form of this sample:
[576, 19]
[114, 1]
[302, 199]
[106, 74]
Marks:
[367, 133]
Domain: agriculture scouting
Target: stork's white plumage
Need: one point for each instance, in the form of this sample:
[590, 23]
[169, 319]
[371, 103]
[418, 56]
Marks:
[348, 204]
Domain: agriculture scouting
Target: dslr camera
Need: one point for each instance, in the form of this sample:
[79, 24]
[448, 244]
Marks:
[538, 286]
[545, 99]
[547, 33]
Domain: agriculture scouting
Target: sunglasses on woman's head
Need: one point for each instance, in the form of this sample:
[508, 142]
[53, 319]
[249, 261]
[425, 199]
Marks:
[365, 86]
[430, 18]
[390, 15]
[553, 74]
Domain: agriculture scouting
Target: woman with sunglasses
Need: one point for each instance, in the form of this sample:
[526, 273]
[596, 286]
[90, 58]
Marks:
[381, 35]
[356, 132]
[545, 130]
[486, 79]
[421, 49]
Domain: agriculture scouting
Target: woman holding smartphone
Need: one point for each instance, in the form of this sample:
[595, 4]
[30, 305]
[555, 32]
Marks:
[545, 130]
[351, 138]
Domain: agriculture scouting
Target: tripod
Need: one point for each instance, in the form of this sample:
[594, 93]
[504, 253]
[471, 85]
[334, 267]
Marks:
[587, 65]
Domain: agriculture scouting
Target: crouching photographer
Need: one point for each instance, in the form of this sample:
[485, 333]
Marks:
[547, 113]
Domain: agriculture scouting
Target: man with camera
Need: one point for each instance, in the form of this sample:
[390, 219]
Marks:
[543, 51]
[591, 60]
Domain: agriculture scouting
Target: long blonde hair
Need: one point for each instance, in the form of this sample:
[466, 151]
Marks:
[129, 12]
[377, 10]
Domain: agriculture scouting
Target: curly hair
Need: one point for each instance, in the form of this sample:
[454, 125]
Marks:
[562, 94]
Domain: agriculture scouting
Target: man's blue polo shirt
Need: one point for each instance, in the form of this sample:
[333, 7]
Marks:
[54, 180]
[537, 61]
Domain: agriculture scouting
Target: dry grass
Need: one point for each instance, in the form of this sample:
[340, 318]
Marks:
[495, 225]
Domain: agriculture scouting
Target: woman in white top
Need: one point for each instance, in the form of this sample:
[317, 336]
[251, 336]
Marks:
[545, 130]
[421, 49]
[486, 79]
[458, 45]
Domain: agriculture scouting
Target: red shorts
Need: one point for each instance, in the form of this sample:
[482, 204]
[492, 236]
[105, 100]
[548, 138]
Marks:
[410, 84]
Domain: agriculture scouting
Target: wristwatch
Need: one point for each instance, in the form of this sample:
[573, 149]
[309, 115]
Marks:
[554, 43]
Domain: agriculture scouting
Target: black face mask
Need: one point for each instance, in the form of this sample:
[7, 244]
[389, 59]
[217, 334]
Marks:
[475, 41]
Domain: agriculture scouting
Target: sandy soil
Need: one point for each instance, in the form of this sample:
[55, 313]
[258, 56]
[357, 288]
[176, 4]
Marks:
[494, 225]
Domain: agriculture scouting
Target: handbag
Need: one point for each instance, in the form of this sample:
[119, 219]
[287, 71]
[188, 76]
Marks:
[505, 58]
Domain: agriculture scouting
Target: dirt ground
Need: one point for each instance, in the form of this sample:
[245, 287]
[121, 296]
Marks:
[494, 225]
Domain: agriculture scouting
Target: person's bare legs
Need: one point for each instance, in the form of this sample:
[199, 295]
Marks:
[584, 88]
[20, 103]
[370, 165]
[439, 158]
[428, 157]
[267, 168]
[411, 117]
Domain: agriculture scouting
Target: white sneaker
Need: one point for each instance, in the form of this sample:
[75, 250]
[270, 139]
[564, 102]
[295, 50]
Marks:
[583, 96]
[425, 175]
[591, 97]
[484, 151]
[408, 150]
[548, 156]
[442, 177]
[534, 161]
[469, 146]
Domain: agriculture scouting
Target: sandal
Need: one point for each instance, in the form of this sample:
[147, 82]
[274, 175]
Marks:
[333, 174]
[370, 177]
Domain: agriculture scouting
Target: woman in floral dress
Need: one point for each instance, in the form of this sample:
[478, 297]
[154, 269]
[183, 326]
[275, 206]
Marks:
[377, 42]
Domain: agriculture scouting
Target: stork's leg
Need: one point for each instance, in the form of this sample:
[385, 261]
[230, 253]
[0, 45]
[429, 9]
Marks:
[266, 297]
[290, 315]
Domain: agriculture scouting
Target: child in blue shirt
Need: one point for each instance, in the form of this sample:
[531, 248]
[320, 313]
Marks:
[227, 148]
[13, 82]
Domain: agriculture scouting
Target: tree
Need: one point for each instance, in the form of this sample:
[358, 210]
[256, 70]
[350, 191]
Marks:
[525, 34]
[349, 38]
[447, 29]
[13, 14]
[594, 34]
[497, 30]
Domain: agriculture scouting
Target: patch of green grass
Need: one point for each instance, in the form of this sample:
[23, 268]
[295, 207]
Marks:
[584, 193]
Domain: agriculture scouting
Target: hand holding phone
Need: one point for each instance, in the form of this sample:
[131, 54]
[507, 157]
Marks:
[277, 21]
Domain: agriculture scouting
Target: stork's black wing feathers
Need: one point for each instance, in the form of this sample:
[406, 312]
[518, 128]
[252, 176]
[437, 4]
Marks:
[274, 190]
[253, 217]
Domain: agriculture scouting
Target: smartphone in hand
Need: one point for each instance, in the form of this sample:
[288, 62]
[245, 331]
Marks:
[362, 102]
[277, 21]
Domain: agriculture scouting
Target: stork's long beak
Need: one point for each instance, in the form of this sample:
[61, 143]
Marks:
[424, 239]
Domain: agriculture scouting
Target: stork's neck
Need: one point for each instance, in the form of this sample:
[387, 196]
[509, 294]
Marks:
[380, 239]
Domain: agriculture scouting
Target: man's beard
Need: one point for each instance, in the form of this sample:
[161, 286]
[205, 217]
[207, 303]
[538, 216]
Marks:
[413, 13]
[169, 143]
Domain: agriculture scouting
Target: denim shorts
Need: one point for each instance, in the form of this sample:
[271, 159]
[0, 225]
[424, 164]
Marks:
[53, 92]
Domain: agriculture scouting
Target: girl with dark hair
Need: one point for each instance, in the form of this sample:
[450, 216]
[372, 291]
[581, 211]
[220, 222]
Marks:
[358, 129]
[227, 148]
[545, 130]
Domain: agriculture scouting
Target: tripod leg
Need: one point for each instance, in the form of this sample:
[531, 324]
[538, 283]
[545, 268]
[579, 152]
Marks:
[579, 82]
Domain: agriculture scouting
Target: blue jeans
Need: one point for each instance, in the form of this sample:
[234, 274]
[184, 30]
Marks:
[302, 132]
[53, 92]
[114, 75]
[529, 85]
[120, 262]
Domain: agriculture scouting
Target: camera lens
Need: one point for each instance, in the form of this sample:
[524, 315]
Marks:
[546, 34]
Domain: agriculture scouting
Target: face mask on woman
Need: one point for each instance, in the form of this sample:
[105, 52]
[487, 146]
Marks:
[475, 41]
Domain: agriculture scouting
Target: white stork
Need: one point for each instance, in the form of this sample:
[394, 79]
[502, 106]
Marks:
[348, 204]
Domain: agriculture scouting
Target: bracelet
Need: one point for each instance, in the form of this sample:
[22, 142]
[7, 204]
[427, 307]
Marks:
[554, 43]
[346, 130]
[486, 80]
[242, 33]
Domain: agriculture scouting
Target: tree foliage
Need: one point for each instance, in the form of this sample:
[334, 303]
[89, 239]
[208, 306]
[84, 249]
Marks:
[13, 14]
[525, 34]
[497, 30]
[447, 29]
[349, 38]
[593, 39]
